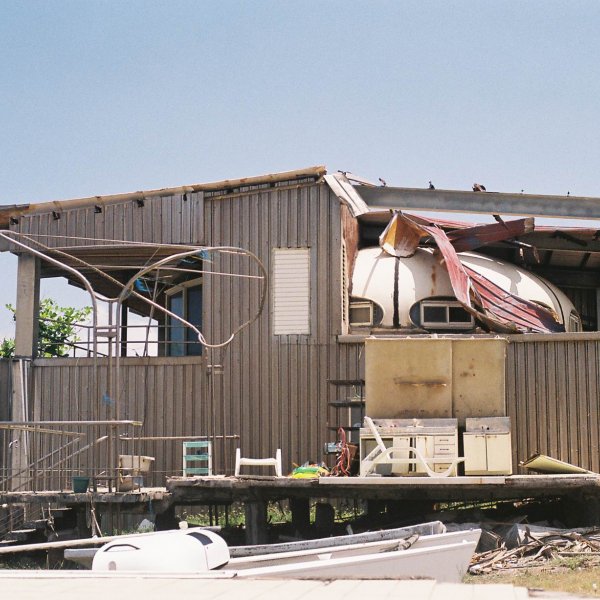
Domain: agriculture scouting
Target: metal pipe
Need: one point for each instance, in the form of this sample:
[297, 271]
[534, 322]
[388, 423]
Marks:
[74, 272]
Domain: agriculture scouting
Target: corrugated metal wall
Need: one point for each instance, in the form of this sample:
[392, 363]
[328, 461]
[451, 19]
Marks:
[163, 220]
[273, 391]
[552, 395]
[282, 400]
[553, 398]
[169, 395]
[5, 393]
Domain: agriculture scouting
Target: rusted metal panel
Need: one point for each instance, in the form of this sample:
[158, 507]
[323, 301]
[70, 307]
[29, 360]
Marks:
[401, 237]
[471, 238]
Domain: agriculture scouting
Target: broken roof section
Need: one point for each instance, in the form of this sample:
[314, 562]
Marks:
[499, 309]
[556, 250]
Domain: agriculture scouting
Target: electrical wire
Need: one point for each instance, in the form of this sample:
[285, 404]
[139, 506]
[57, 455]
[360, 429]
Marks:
[343, 460]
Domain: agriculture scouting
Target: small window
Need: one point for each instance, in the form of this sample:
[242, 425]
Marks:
[445, 314]
[361, 314]
[203, 539]
[575, 322]
[185, 301]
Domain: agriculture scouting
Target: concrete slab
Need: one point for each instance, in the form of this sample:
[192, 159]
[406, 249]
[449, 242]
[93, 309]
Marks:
[74, 585]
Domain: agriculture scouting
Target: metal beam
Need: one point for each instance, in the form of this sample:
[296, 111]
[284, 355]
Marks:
[563, 277]
[530, 205]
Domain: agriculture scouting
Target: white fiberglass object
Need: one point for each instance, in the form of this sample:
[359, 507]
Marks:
[421, 277]
[192, 550]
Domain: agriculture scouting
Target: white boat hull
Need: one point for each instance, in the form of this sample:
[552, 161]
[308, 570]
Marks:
[448, 563]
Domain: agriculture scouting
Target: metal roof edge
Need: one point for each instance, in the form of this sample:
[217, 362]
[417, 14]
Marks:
[345, 191]
[59, 205]
[469, 202]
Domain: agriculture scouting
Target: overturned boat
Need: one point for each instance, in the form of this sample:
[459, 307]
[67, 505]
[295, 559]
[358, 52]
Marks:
[444, 557]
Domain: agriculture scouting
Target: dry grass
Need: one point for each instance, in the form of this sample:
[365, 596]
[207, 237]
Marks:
[573, 575]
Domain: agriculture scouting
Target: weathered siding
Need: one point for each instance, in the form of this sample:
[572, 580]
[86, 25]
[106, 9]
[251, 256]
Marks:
[553, 398]
[5, 393]
[168, 395]
[274, 389]
[174, 219]
[282, 401]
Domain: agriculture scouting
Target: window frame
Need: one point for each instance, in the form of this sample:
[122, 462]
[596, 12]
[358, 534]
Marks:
[361, 304]
[182, 288]
[447, 304]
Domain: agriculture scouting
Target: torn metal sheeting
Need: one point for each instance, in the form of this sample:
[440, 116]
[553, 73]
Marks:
[471, 238]
[547, 464]
[506, 308]
[401, 237]
[497, 308]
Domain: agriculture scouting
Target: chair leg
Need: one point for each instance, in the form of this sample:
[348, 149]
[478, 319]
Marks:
[237, 462]
[278, 469]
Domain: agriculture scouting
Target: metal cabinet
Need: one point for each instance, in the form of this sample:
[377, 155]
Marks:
[487, 446]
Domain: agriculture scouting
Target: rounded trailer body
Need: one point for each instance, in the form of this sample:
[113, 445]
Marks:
[398, 284]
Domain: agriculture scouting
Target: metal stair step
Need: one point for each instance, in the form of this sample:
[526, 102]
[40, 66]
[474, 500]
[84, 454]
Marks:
[21, 535]
[37, 525]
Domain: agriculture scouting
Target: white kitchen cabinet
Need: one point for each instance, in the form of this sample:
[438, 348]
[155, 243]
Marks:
[487, 446]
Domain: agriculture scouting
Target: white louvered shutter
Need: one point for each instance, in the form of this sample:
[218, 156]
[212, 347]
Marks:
[291, 291]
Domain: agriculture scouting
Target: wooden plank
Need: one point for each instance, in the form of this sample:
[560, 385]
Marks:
[166, 216]
[136, 213]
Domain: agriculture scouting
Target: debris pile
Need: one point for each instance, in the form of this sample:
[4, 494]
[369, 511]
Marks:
[530, 546]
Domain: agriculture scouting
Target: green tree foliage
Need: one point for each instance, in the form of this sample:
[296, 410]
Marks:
[58, 329]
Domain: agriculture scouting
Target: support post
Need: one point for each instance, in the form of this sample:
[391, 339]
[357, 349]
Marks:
[28, 306]
[123, 332]
[26, 340]
[300, 508]
[256, 522]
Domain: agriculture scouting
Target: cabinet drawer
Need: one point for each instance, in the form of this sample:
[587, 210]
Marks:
[445, 450]
[444, 440]
[441, 467]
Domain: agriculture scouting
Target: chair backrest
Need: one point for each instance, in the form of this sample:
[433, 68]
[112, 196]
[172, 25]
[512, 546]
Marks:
[369, 423]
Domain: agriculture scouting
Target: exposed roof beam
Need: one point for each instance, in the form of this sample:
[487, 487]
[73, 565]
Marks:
[531, 205]
[569, 277]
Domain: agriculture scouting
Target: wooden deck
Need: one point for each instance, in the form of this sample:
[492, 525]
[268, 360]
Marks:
[222, 490]
[230, 489]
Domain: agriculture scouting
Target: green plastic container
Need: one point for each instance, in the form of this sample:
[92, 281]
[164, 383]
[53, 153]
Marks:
[80, 484]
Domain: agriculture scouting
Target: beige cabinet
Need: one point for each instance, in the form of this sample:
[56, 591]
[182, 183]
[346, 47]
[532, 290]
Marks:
[434, 439]
[487, 453]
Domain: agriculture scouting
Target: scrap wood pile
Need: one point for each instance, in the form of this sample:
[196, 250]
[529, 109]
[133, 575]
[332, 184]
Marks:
[537, 548]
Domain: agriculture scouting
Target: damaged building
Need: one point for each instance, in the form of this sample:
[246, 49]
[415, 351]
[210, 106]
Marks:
[262, 292]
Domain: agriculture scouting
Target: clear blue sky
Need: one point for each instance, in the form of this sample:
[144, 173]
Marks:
[102, 97]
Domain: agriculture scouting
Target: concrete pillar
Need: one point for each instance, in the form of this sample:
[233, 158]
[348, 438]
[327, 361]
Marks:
[26, 341]
[256, 522]
[28, 306]
[18, 448]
